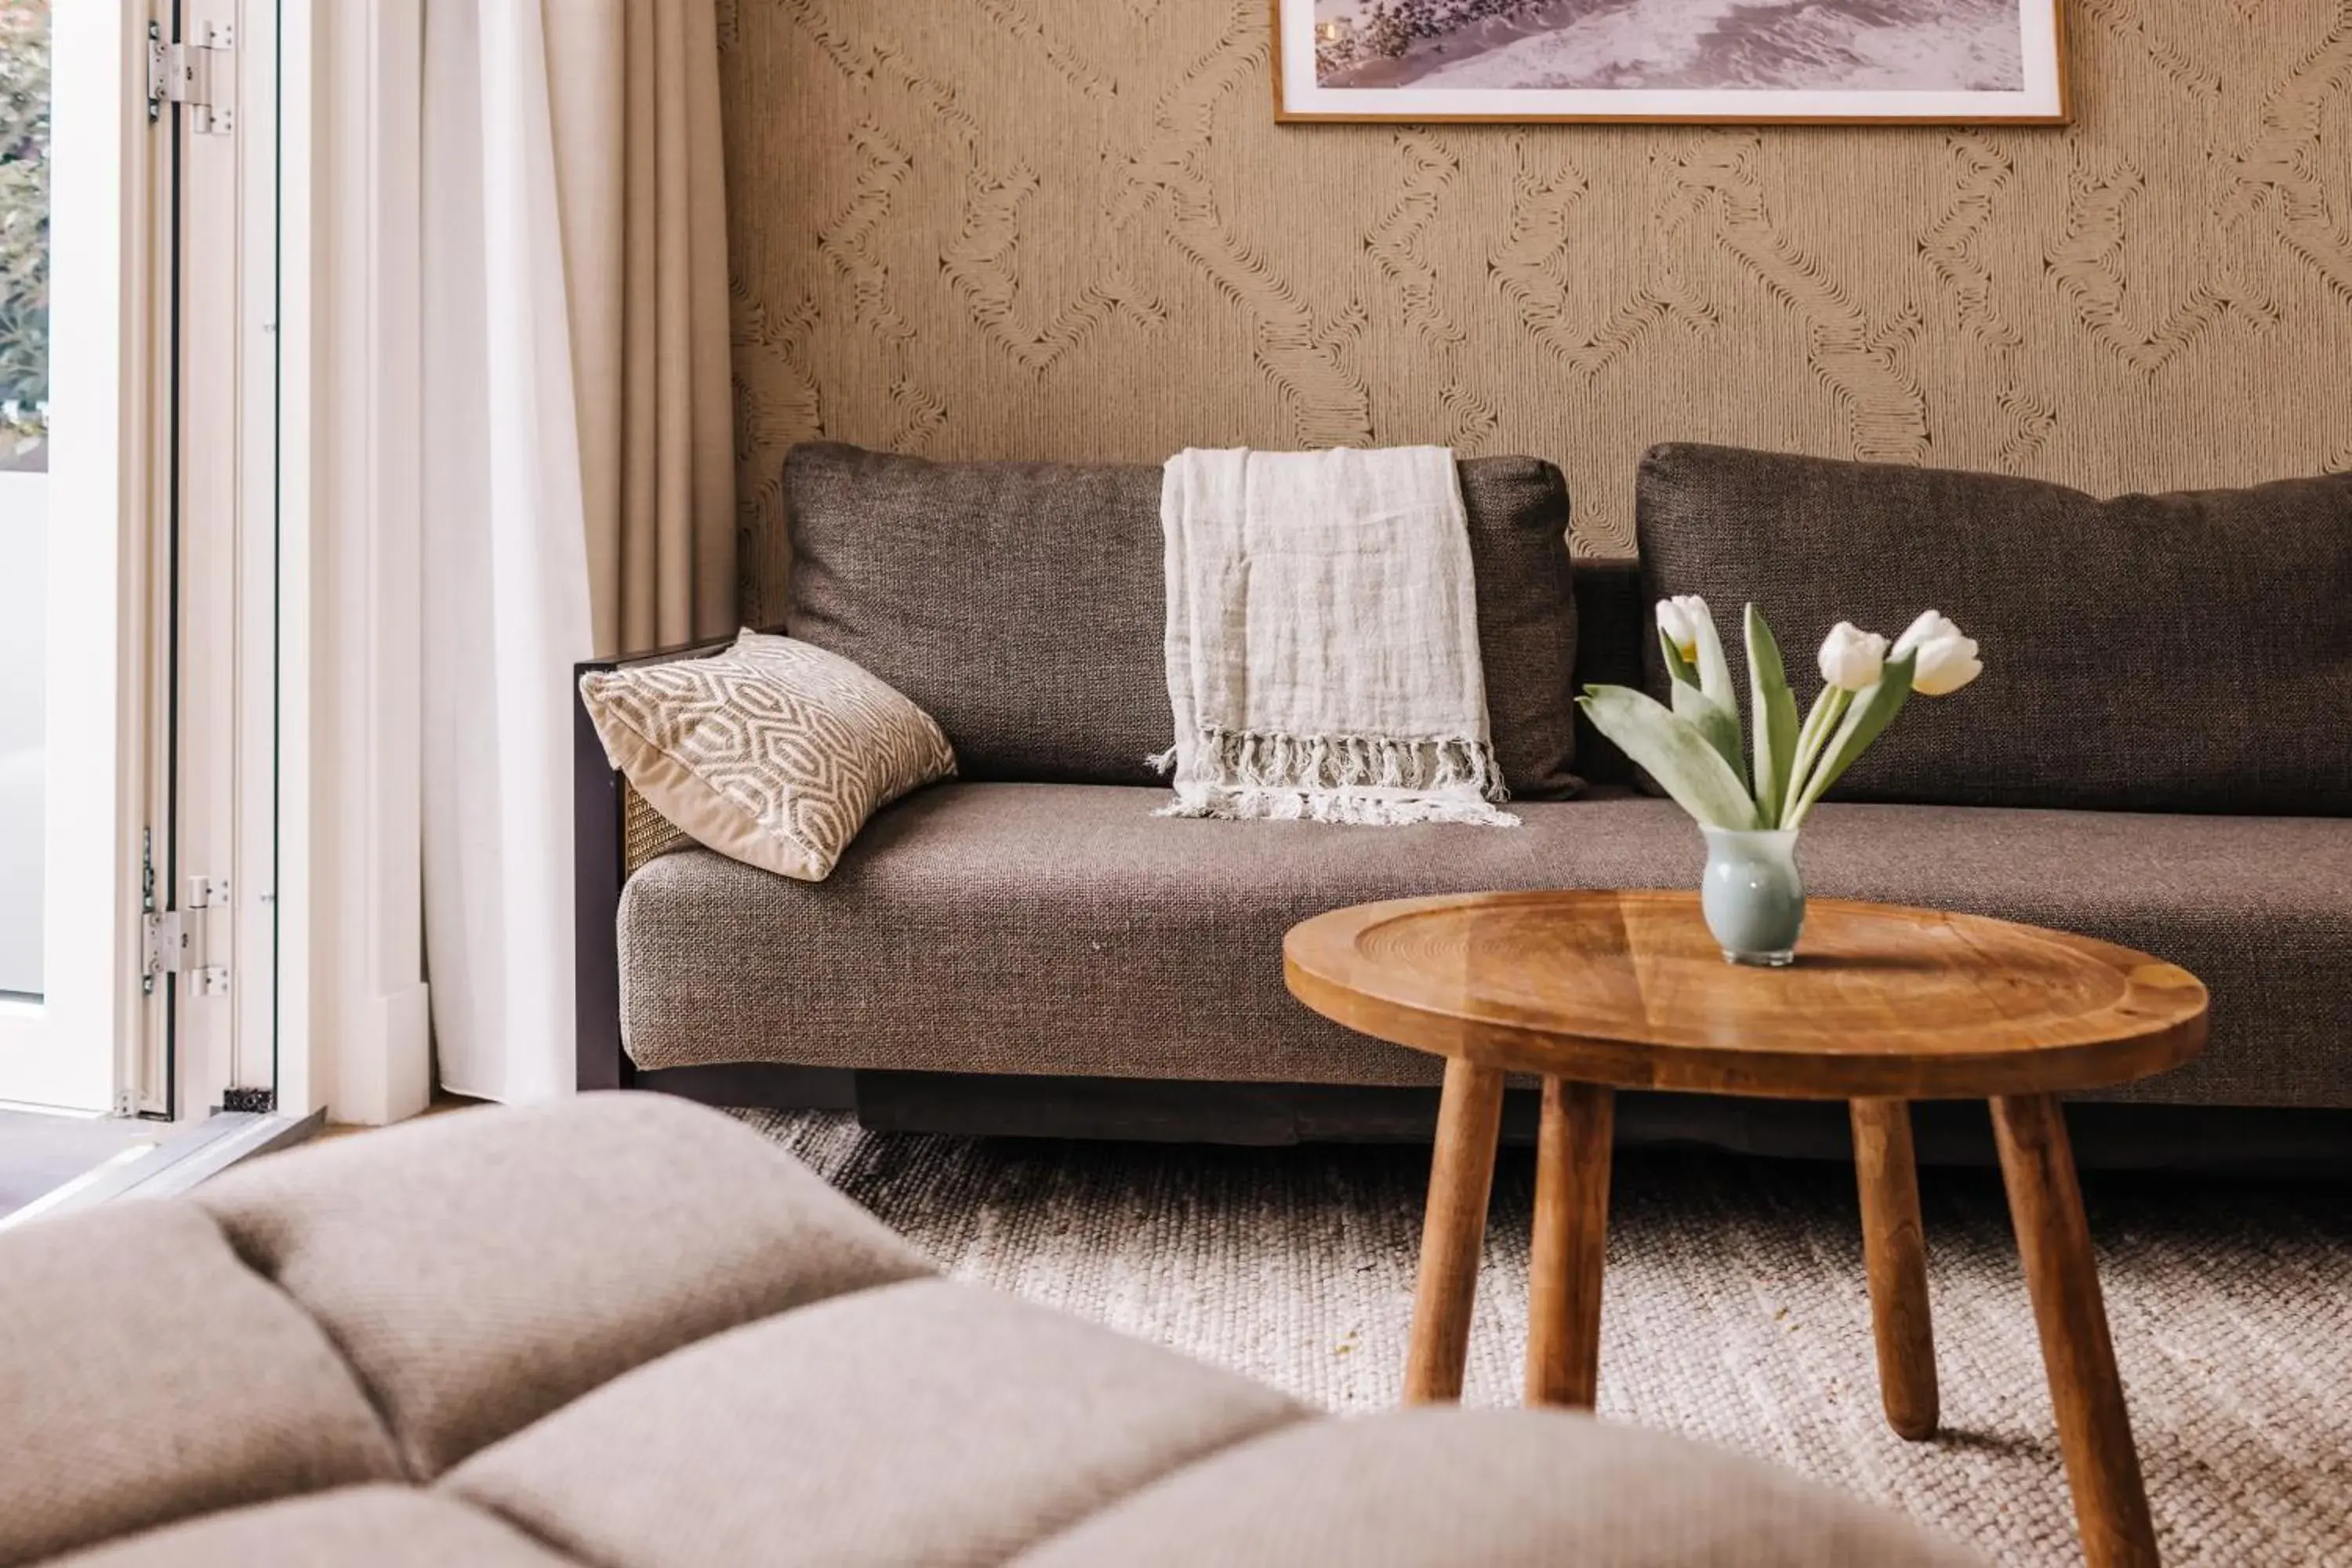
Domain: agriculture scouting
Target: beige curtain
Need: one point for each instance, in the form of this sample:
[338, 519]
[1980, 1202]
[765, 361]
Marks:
[577, 468]
[633, 88]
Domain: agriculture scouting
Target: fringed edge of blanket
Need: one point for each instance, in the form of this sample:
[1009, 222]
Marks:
[1369, 780]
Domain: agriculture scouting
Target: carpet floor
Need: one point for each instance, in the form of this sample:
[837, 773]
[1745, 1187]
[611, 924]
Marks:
[1735, 1310]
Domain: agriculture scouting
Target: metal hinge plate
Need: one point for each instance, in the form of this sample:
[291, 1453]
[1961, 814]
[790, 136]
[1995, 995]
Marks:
[194, 74]
[169, 945]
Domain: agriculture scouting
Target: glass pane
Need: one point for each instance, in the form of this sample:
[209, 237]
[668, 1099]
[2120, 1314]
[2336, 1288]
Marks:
[24, 479]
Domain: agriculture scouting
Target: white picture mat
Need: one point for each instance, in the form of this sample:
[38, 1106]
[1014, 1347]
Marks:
[2043, 97]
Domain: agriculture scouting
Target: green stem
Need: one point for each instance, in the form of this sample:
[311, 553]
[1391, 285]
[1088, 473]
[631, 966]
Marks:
[1829, 709]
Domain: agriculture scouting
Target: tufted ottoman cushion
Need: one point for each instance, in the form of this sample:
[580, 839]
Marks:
[480, 1270]
[377, 1526]
[146, 1374]
[627, 1331]
[1503, 1489]
[922, 1423]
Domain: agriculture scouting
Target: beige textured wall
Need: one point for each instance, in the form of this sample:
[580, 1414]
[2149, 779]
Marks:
[1070, 228]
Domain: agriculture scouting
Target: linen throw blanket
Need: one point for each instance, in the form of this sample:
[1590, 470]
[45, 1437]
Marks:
[1323, 639]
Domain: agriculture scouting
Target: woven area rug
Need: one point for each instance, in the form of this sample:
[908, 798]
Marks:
[1735, 1310]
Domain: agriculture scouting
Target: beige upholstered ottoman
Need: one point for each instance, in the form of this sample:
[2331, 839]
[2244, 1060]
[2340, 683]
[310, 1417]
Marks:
[628, 1332]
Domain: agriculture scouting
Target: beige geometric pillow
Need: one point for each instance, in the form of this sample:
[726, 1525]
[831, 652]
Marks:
[774, 752]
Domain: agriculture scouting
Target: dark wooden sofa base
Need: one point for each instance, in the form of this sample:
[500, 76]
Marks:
[754, 1085]
[2277, 1142]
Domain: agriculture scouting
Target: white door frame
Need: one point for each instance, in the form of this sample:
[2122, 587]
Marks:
[78, 1049]
[253, 1051]
[340, 374]
[350, 1000]
[354, 1029]
[222, 849]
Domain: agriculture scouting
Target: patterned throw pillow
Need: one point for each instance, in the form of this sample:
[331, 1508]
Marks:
[774, 752]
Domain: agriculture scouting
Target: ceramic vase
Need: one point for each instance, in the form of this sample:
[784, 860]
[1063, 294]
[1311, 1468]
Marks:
[1753, 895]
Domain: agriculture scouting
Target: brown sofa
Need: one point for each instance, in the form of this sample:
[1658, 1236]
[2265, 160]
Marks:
[1029, 949]
[626, 1331]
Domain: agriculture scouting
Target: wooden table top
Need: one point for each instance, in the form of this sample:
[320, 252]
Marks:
[1629, 989]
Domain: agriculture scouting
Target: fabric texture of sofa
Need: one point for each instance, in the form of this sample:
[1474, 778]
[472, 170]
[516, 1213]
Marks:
[626, 1331]
[1024, 605]
[1042, 923]
[2169, 652]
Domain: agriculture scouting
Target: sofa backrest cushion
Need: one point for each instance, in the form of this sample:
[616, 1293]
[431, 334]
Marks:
[1023, 606]
[2184, 652]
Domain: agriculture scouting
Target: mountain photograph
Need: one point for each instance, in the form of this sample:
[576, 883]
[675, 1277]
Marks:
[1704, 45]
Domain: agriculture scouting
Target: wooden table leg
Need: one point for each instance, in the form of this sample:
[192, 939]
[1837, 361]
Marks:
[1895, 1255]
[1454, 1231]
[1571, 1243]
[2061, 1274]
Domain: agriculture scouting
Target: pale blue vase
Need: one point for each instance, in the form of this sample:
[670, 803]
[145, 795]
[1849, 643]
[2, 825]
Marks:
[1753, 895]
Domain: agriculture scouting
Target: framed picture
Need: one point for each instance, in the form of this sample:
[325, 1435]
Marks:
[1692, 61]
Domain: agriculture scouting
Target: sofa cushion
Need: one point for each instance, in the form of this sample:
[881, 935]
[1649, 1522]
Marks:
[927, 1423]
[774, 752]
[146, 1374]
[1522, 1489]
[1021, 605]
[1064, 930]
[381, 1527]
[652, 1222]
[2188, 652]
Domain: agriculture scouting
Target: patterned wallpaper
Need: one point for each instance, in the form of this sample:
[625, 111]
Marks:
[1070, 228]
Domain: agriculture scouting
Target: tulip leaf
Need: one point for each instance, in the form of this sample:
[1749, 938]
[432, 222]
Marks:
[1872, 710]
[1719, 718]
[1714, 672]
[1774, 718]
[1718, 723]
[1677, 665]
[1672, 752]
[1819, 724]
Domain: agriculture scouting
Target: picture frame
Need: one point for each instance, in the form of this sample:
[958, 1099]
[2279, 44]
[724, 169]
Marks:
[1519, 62]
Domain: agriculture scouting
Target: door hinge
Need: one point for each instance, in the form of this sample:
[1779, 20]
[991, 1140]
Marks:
[198, 76]
[173, 946]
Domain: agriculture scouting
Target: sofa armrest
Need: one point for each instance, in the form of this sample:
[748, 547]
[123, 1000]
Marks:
[598, 869]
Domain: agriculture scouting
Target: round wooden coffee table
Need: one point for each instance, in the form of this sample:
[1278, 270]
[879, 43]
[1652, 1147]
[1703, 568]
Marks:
[1595, 991]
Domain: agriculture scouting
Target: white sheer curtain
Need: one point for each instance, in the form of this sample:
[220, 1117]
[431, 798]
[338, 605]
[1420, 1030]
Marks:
[578, 480]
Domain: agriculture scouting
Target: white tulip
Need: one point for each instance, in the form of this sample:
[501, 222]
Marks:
[1947, 657]
[1930, 624]
[1852, 659]
[1946, 664]
[1680, 617]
